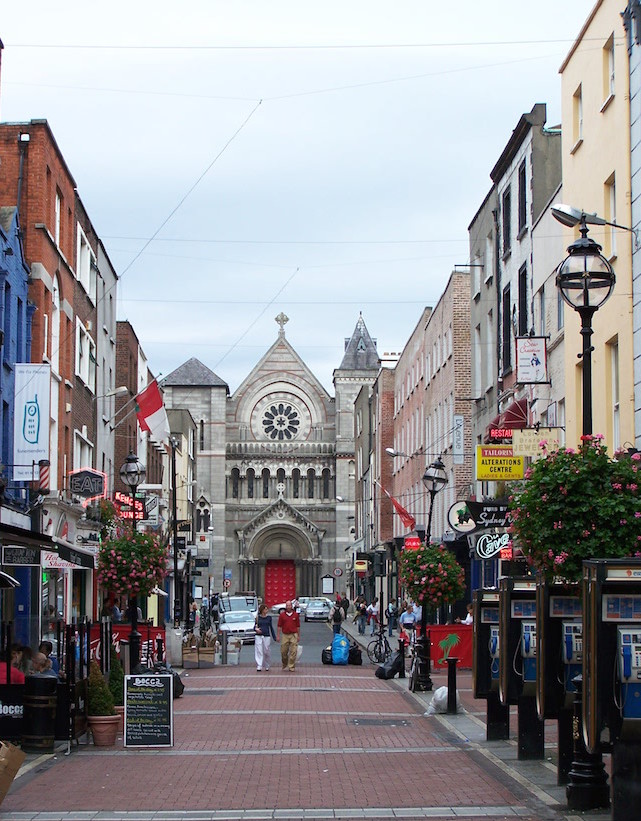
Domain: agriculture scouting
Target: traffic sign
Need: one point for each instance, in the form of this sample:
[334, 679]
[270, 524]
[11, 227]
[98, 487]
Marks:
[226, 583]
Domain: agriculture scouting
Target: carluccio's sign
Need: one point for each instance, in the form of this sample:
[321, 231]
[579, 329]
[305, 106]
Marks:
[496, 463]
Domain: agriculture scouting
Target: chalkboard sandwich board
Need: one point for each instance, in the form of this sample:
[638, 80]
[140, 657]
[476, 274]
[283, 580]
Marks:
[149, 711]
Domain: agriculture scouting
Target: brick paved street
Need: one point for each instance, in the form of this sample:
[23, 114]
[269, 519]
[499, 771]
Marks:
[323, 742]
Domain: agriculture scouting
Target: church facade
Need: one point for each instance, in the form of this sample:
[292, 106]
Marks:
[275, 468]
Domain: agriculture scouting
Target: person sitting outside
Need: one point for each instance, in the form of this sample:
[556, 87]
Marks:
[46, 647]
[42, 667]
[469, 619]
[16, 676]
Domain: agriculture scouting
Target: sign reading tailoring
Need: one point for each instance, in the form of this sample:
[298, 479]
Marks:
[495, 463]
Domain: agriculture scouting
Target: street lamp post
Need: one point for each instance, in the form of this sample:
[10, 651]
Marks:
[132, 474]
[174, 515]
[434, 479]
[586, 281]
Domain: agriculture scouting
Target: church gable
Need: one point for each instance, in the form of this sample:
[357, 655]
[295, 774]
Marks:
[280, 512]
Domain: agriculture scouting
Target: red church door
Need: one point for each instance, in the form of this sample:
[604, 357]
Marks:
[280, 581]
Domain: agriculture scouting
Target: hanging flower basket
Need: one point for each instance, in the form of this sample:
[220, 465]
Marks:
[432, 576]
[132, 564]
[575, 505]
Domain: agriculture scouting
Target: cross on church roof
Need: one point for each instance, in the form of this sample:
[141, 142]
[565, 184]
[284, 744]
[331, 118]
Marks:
[281, 319]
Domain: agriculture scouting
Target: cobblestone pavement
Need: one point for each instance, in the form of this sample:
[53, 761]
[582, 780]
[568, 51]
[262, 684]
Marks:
[322, 742]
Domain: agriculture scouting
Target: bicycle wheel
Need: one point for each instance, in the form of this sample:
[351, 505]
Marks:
[376, 652]
[413, 674]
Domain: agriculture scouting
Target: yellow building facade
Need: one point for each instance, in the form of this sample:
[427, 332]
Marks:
[596, 178]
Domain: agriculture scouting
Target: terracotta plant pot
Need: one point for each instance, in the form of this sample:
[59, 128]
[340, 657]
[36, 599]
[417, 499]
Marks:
[120, 712]
[104, 729]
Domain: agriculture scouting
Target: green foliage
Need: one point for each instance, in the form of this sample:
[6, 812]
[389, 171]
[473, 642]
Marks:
[132, 563]
[576, 505]
[116, 679]
[99, 699]
[431, 575]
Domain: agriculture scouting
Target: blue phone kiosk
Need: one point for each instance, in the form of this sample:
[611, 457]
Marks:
[485, 662]
[612, 673]
[517, 660]
[559, 630]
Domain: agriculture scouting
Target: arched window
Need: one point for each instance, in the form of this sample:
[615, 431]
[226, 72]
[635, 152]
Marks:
[311, 477]
[265, 476]
[250, 483]
[326, 482]
[201, 444]
[235, 482]
[295, 483]
[280, 476]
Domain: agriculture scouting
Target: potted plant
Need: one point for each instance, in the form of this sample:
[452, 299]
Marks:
[432, 576]
[102, 718]
[116, 685]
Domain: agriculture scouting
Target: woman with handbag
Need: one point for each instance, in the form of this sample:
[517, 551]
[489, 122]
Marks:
[263, 641]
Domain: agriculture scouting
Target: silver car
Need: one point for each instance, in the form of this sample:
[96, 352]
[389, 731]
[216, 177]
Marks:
[238, 624]
[317, 610]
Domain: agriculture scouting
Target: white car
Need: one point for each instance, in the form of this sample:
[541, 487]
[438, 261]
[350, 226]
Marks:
[303, 601]
[238, 624]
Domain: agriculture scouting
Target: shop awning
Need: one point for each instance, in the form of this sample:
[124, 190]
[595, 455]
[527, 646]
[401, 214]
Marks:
[492, 426]
[515, 415]
[23, 547]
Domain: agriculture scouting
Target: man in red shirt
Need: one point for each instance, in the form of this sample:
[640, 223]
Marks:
[289, 626]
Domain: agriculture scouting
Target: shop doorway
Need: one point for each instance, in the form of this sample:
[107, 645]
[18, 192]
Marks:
[280, 581]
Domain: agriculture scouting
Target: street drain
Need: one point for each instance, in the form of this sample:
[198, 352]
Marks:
[317, 689]
[379, 722]
[204, 692]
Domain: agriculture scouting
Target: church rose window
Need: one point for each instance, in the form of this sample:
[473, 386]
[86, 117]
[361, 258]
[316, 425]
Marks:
[281, 421]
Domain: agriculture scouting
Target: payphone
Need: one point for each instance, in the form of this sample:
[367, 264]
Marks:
[611, 652]
[571, 653]
[528, 656]
[485, 662]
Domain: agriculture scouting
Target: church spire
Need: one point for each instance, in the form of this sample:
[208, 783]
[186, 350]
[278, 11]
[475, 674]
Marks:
[360, 350]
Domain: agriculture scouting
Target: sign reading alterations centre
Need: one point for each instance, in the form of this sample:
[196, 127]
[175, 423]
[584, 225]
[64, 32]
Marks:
[495, 463]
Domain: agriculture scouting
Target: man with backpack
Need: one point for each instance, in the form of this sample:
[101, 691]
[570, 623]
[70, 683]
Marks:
[336, 616]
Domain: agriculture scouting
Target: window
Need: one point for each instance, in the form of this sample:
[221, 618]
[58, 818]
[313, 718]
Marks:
[522, 198]
[608, 71]
[610, 208]
[326, 483]
[507, 222]
[55, 326]
[577, 119]
[296, 483]
[45, 335]
[311, 477]
[7, 317]
[506, 336]
[201, 438]
[86, 265]
[478, 386]
[85, 356]
[250, 483]
[235, 482]
[615, 398]
[559, 310]
[486, 352]
[476, 277]
[489, 256]
[57, 218]
[542, 311]
[265, 478]
[82, 450]
[523, 304]
[280, 477]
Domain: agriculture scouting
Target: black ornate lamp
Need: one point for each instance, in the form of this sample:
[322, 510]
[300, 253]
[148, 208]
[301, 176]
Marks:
[132, 474]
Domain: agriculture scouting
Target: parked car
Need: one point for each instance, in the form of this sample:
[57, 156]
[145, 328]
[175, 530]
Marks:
[303, 601]
[238, 602]
[317, 610]
[239, 624]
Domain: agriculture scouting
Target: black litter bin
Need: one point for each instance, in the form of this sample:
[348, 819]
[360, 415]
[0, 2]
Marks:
[39, 717]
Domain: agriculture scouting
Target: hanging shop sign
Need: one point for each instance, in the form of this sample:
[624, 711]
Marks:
[458, 439]
[527, 442]
[31, 419]
[488, 514]
[412, 543]
[460, 519]
[489, 545]
[88, 483]
[531, 360]
[495, 463]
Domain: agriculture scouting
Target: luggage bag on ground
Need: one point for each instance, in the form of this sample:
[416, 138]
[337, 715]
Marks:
[392, 666]
[355, 655]
[326, 655]
[340, 650]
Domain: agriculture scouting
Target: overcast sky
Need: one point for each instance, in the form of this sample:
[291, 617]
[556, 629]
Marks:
[242, 158]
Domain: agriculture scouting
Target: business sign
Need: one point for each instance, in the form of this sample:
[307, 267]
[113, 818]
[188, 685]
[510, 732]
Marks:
[145, 508]
[14, 555]
[152, 504]
[526, 442]
[412, 543]
[31, 419]
[531, 360]
[460, 519]
[495, 463]
[489, 544]
[489, 514]
[88, 483]
[149, 713]
[458, 451]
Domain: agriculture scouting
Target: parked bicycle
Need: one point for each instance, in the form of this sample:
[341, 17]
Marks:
[379, 650]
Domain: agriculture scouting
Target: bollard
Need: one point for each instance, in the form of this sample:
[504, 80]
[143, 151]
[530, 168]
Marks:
[401, 650]
[159, 649]
[451, 685]
[223, 646]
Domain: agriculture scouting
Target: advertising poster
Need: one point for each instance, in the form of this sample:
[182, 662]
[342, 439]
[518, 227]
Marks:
[31, 420]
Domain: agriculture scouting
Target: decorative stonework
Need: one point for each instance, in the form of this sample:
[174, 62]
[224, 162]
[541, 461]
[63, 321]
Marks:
[280, 418]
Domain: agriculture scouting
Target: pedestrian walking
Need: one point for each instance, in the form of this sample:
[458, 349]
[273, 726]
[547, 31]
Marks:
[263, 642]
[360, 616]
[373, 611]
[288, 633]
[392, 617]
[336, 616]
[345, 604]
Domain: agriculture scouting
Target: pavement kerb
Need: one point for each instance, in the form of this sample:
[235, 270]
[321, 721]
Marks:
[539, 777]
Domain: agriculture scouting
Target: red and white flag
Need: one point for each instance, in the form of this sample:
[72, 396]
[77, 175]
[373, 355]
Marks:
[151, 412]
[404, 515]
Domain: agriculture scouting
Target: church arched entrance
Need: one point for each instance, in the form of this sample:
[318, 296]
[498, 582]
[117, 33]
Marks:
[280, 563]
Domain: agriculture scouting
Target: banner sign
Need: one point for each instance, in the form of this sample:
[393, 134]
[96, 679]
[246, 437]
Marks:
[526, 442]
[31, 420]
[458, 453]
[531, 360]
[495, 463]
